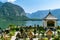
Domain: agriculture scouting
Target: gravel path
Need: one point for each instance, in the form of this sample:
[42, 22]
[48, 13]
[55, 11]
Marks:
[14, 37]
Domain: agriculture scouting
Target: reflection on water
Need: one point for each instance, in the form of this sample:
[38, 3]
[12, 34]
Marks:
[5, 24]
[33, 22]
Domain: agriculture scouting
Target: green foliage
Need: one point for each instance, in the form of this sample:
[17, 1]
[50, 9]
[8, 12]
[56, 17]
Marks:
[21, 30]
[41, 30]
[11, 14]
[12, 33]
[12, 27]
[34, 31]
[56, 38]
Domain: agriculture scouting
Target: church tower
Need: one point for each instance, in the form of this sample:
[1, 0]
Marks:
[50, 21]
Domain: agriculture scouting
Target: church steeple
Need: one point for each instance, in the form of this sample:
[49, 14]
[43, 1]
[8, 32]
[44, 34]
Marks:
[50, 16]
[49, 13]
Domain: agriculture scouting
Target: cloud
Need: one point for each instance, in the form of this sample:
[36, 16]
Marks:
[11, 1]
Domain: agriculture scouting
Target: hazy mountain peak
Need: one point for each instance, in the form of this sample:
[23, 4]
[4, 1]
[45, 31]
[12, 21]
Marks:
[40, 14]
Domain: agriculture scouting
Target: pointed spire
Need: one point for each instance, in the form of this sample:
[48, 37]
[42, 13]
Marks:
[50, 16]
[49, 12]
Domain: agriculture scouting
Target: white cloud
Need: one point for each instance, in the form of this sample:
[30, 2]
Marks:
[11, 1]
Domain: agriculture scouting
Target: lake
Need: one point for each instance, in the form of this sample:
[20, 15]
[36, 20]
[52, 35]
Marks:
[4, 24]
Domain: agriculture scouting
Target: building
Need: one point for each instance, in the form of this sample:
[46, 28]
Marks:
[50, 21]
[50, 24]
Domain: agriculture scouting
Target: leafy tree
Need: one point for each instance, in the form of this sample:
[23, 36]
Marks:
[12, 27]
[34, 31]
[21, 30]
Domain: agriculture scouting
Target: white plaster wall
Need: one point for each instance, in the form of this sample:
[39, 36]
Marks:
[45, 23]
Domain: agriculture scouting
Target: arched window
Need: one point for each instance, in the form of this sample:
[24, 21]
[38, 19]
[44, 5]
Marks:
[50, 23]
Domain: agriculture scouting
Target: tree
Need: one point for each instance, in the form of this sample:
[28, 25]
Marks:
[34, 33]
[21, 30]
[12, 27]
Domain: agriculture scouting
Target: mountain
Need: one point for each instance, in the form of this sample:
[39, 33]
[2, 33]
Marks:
[11, 14]
[12, 11]
[1, 4]
[38, 14]
[56, 13]
[42, 13]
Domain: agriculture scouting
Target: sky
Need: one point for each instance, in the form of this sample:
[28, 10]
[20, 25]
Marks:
[34, 5]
